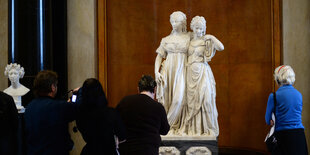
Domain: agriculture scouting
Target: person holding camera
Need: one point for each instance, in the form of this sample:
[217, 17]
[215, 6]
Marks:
[145, 120]
[46, 119]
[100, 125]
[289, 130]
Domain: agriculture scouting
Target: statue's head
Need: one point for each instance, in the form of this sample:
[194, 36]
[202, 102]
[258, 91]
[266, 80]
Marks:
[178, 19]
[198, 25]
[14, 72]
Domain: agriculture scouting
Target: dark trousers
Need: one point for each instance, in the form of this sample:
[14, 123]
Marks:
[292, 142]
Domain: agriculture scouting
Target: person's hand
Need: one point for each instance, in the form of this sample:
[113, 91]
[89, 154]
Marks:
[76, 89]
[158, 77]
[271, 122]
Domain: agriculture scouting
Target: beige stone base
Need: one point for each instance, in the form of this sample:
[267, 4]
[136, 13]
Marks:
[188, 137]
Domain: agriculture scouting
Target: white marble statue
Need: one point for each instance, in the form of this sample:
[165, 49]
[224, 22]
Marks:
[200, 109]
[14, 72]
[170, 70]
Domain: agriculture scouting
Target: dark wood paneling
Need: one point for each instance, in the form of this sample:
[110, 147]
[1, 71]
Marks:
[249, 30]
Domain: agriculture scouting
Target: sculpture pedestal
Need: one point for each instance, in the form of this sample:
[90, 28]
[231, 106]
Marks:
[21, 110]
[186, 145]
[21, 135]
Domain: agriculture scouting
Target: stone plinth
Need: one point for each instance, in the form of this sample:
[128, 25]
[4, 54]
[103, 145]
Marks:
[187, 145]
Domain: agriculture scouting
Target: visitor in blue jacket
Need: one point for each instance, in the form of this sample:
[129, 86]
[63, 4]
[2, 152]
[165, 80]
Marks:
[289, 129]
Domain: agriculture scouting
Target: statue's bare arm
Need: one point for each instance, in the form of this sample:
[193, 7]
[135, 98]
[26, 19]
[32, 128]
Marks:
[158, 61]
[217, 44]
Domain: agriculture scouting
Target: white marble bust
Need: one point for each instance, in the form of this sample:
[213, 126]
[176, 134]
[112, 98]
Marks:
[15, 72]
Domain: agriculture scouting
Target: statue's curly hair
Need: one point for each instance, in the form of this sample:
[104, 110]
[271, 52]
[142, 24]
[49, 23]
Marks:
[199, 20]
[16, 66]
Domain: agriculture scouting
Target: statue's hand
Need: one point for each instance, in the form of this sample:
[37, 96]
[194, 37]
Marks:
[158, 77]
[208, 37]
[207, 60]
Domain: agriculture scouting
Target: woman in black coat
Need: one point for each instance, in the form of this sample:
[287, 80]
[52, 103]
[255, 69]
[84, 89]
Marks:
[9, 124]
[100, 125]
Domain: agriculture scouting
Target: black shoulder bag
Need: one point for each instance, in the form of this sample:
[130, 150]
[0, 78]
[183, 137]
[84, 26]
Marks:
[272, 142]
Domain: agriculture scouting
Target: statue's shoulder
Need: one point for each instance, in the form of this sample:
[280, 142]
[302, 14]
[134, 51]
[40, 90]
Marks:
[24, 89]
[177, 38]
[8, 90]
[208, 37]
[165, 39]
[198, 42]
[21, 91]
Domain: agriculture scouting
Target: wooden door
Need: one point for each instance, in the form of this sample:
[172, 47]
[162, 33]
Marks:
[129, 31]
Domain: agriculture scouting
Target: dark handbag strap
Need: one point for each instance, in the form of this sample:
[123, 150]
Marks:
[275, 104]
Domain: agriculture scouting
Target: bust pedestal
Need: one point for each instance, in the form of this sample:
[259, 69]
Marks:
[17, 94]
[188, 145]
[18, 103]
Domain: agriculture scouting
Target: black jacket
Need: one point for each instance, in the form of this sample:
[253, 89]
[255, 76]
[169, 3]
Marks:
[9, 124]
[46, 122]
[145, 120]
[99, 126]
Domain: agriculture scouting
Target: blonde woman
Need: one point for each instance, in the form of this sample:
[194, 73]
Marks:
[289, 129]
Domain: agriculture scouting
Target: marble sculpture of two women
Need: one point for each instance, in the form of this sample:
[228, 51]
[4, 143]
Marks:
[185, 82]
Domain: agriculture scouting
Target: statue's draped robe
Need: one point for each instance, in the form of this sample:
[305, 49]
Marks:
[171, 92]
[200, 111]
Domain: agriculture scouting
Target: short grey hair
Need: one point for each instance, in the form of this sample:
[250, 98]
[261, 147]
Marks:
[284, 75]
[16, 66]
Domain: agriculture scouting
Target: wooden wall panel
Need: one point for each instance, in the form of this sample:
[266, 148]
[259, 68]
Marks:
[249, 30]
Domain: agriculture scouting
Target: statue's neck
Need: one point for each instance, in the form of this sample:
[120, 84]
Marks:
[15, 85]
[177, 32]
[196, 37]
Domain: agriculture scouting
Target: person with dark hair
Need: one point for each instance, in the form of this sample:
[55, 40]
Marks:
[99, 125]
[144, 118]
[46, 119]
[9, 124]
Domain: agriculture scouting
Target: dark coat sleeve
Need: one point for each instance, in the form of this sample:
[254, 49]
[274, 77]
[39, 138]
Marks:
[164, 127]
[9, 124]
[9, 111]
[70, 111]
[120, 129]
[13, 113]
